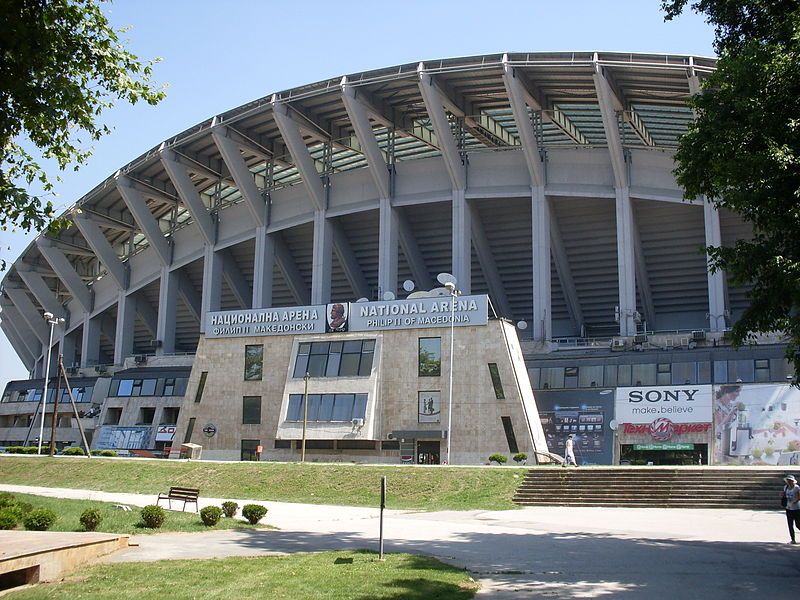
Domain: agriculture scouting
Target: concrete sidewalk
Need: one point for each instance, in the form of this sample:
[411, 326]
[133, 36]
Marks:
[543, 552]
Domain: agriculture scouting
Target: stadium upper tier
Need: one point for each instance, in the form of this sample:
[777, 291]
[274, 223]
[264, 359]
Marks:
[542, 179]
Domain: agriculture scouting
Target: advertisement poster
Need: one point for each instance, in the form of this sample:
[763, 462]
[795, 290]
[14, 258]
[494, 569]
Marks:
[125, 438]
[583, 413]
[678, 403]
[757, 424]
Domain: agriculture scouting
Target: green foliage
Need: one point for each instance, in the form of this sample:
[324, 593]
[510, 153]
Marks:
[500, 459]
[7, 499]
[39, 519]
[210, 515]
[229, 508]
[743, 154]
[26, 449]
[91, 519]
[107, 453]
[63, 65]
[153, 516]
[253, 512]
[9, 517]
[520, 457]
[74, 451]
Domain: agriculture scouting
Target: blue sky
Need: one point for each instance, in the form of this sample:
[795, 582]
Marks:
[218, 55]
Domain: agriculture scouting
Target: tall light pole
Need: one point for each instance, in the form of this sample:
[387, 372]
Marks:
[451, 287]
[53, 320]
[306, 377]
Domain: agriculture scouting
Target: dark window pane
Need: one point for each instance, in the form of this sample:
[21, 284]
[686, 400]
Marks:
[333, 365]
[251, 410]
[253, 362]
[326, 408]
[201, 386]
[336, 348]
[319, 348]
[316, 364]
[511, 439]
[304, 348]
[148, 387]
[366, 365]
[368, 346]
[360, 406]
[189, 430]
[720, 371]
[313, 407]
[301, 366]
[704, 372]
[343, 407]
[430, 357]
[349, 367]
[283, 444]
[169, 387]
[249, 449]
[295, 410]
[494, 373]
[353, 346]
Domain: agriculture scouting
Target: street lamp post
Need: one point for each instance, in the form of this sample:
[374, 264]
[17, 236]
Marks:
[306, 377]
[53, 320]
[451, 287]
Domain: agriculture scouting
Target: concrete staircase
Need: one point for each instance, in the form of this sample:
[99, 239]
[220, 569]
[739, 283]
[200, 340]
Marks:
[668, 487]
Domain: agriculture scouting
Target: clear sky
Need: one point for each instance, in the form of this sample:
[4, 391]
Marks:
[219, 55]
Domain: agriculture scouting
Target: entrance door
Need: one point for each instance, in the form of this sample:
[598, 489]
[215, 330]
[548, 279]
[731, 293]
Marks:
[427, 453]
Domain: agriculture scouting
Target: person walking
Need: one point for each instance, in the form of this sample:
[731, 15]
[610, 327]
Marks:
[569, 453]
[791, 496]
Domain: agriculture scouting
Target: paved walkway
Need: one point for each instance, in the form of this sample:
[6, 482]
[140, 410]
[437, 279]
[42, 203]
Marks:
[548, 552]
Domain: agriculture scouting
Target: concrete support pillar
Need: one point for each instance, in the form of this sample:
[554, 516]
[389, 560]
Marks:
[38, 368]
[626, 263]
[90, 344]
[387, 247]
[462, 242]
[717, 303]
[167, 307]
[542, 325]
[67, 348]
[212, 284]
[125, 327]
[263, 265]
[322, 259]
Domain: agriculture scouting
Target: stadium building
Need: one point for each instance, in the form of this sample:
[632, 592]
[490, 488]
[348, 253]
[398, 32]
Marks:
[202, 281]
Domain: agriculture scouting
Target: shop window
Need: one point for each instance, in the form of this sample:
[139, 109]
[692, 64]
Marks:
[590, 376]
[319, 444]
[494, 373]
[146, 415]
[251, 410]
[253, 362]
[684, 373]
[113, 416]
[328, 407]
[643, 374]
[249, 449]
[355, 445]
[352, 358]
[201, 387]
[189, 430]
[430, 357]
[511, 439]
[741, 371]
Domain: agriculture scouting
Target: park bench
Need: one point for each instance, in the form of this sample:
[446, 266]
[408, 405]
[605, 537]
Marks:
[187, 495]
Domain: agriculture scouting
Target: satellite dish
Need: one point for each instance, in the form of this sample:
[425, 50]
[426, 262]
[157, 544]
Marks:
[442, 291]
[522, 324]
[408, 285]
[445, 278]
[419, 294]
[388, 296]
[613, 424]
[362, 300]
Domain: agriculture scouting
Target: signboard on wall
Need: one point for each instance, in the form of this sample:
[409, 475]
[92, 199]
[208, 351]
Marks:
[430, 407]
[123, 438]
[165, 433]
[678, 403]
[416, 313]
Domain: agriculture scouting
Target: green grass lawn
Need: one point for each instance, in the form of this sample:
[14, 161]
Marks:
[423, 488]
[317, 576]
[120, 521]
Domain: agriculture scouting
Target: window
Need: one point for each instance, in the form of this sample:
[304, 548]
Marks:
[319, 444]
[720, 371]
[741, 371]
[113, 415]
[390, 445]
[169, 416]
[253, 362]
[352, 358]
[664, 374]
[571, 377]
[169, 387]
[125, 387]
[148, 387]
[643, 374]
[146, 415]
[430, 357]
[251, 410]
[355, 445]
[683, 373]
[189, 430]
[762, 371]
[610, 375]
[494, 373]
[552, 377]
[511, 439]
[328, 407]
[201, 386]
[249, 449]
[590, 376]
[283, 444]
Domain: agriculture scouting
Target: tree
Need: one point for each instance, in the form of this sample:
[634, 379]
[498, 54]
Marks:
[62, 65]
[743, 153]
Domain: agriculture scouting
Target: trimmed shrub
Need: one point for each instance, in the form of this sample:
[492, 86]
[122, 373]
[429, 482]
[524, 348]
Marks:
[74, 451]
[210, 515]
[153, 516]
[9, 517]
[91, 519]
[26, 449]
[498, 458]
[39, 519]
[108, 453]
[520, 457]
[229, 508]
[7, 499]
[254, 512]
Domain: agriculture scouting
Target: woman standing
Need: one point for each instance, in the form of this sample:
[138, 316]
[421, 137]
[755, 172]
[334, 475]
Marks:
[791, 493]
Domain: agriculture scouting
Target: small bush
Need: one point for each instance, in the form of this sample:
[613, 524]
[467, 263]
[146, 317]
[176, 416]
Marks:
[91, 519]
[27, 449]
[153, 516]
[498, 458]
[108, 453]
[7, 499]
[74, 451]
[253, 512]
[229, 508]
[520, 457]
[39, 519]
[210, 515]
[9, 517]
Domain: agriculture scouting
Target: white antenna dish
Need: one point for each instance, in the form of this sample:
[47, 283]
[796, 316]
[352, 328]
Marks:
[408, 285]
[419, 294]
[362, 300]
[613, 424]
[442, 291]
[522, 324]
[445, 278]
[388, 296]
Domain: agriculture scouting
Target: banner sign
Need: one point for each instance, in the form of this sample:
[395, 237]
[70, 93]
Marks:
[678, 403]
[165, 433]
[416, 313]
[663, 446]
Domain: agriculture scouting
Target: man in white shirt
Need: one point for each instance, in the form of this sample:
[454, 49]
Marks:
[569, 452]
[791, 491]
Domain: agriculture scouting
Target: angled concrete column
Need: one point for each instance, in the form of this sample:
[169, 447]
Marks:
[212, 284]
[542, 325]
[42, 292]
[94, 236]
[388, 246]
[15, 325]
[125, 327]
[263, 264]
[462, 242]
[66, 273]
[167, 307]
[717, 305]
[30, 314]
[626, 263]
[68, 349]
[90, 344]
[322, 259]
[25, 354]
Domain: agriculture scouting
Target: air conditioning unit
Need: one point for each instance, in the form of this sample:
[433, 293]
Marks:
[669, 343]
[640, 338]
[617, 343]
[140, 359]
[358, 422]
[698, 336]
[101, 368]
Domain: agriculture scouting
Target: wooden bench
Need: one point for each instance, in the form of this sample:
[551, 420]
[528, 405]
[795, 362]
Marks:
[187, 495]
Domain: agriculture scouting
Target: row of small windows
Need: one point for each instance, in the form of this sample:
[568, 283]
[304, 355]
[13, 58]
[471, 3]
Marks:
[170, 386]
[352, 358]
[80, 394]
[250, 446]
[679, 373]
[331, 408]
